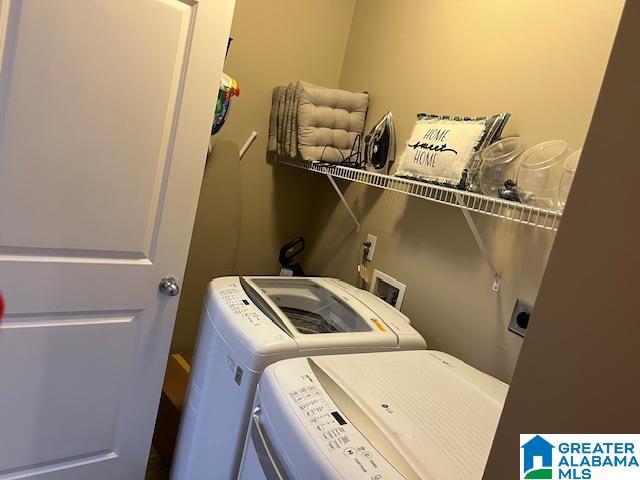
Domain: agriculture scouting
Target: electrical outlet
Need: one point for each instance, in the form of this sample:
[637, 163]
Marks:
[520, 317]
[372, 240]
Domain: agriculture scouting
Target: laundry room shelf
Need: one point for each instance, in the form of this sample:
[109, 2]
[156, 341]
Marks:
[495, 207]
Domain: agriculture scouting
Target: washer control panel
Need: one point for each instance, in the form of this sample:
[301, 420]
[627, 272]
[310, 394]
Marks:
[241, 307]
[247, 330]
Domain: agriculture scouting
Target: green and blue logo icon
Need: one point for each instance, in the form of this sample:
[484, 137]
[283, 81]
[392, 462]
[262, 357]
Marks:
[560, 456]
[537, 459]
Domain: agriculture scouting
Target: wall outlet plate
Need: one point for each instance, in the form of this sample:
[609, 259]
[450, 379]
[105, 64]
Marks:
[387, 288]
[371, 239]
[520, 317]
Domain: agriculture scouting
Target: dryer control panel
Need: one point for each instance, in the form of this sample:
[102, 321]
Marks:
[349, 452]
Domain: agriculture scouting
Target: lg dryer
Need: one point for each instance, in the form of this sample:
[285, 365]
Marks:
[251, 322]
[421, 415]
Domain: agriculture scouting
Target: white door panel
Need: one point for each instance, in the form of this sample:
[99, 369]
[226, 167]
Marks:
[105, 112]
[88, 121]
[64, 353]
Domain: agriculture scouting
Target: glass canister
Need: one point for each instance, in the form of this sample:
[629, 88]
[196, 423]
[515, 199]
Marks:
[498, 168]
[570, 166]
[540, 172]
[473, 174]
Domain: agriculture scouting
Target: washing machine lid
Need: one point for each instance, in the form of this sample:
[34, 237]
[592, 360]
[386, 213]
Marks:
[310, 309]
[426, 413]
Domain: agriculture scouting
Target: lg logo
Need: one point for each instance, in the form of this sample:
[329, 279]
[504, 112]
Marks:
[387, 408]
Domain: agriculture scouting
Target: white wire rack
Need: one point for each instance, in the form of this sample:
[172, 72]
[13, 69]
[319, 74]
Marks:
[495, 207]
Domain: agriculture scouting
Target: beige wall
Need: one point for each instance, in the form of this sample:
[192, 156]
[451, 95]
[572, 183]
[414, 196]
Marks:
[578, 369]
[543, 61]
[242, 217]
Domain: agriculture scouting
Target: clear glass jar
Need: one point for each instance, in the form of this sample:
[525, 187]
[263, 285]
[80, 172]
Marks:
[570, 166]
[540, 172]
[499, 165]
[473, 174]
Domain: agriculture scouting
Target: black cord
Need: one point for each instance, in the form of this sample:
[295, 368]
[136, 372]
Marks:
[346, 161]
[362, 262]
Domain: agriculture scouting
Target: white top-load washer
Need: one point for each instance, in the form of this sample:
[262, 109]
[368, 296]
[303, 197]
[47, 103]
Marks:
[385, 416]
[247, 324]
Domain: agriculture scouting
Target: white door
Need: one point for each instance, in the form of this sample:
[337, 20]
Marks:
[105, 112]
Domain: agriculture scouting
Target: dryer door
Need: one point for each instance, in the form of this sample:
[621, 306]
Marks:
[260, 461]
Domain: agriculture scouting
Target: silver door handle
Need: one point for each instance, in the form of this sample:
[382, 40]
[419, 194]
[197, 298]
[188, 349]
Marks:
[169, 286]
[268, 461]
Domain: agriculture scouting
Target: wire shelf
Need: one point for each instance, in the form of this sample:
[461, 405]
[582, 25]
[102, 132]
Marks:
[495, 207]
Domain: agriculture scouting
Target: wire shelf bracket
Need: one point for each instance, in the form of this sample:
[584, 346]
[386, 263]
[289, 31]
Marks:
[497, 280]
[344, 202]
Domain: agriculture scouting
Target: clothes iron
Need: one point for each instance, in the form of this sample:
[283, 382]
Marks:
[380, 145]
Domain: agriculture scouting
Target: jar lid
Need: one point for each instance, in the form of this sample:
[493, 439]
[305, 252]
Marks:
[544, 155]
[502, 151]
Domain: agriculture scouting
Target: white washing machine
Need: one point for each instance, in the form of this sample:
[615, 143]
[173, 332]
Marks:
[249, 323]
[420, 415]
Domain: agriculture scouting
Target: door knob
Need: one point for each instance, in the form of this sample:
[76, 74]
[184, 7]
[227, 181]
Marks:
[169, 286]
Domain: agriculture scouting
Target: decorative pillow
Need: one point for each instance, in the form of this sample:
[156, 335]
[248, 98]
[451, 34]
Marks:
[440, 148]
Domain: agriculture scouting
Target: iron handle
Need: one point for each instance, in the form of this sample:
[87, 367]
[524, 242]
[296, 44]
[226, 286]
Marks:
[169, 286]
